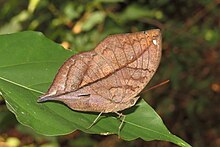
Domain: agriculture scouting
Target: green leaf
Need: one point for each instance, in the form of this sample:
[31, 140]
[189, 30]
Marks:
[135, 12]
[28, 64]
[93, 19]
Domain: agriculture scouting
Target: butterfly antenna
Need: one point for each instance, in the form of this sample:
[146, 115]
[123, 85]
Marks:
[158, 85]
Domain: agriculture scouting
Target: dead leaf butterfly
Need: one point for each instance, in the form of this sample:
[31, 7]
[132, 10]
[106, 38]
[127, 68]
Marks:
[108, 78]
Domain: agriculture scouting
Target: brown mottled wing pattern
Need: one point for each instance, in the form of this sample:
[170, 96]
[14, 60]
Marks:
[108, 78]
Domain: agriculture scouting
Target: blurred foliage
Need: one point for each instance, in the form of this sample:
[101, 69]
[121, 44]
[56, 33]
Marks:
[189, 105]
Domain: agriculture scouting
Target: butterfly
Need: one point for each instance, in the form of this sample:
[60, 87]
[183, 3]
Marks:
[109, 77]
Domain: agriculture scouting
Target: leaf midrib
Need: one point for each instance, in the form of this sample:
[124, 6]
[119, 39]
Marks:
[25, 63]
[17, 84]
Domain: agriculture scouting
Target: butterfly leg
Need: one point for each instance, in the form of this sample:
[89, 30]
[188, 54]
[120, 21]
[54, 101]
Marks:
[95, 121]
[122, 121]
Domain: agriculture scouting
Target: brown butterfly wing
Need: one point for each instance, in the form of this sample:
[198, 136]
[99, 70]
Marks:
[108, 78]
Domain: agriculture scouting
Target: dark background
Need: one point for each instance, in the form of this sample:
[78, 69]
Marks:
[189, 104]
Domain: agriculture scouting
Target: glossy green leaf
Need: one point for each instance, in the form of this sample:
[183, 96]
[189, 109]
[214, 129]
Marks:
[28, 64]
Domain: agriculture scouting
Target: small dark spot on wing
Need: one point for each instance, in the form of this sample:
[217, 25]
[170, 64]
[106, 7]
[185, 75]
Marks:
[84, 95]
